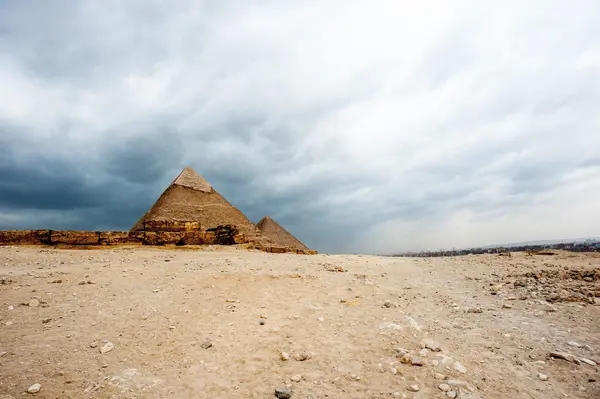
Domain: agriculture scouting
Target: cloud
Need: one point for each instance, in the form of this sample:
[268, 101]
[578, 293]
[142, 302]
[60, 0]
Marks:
[372, 127]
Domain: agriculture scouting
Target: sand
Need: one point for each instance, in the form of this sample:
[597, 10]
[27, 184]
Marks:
[214, 323]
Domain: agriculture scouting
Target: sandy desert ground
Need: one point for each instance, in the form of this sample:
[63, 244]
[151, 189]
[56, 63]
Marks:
[220, 323]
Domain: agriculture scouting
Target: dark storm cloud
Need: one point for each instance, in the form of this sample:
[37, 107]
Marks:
[358, 126]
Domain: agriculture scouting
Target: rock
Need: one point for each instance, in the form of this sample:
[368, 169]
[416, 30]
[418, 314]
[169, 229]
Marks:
[59, 281]
[412, 360]
[302, 356]
[451, 394]
[507, 306]
[387, 304]
[574, 344]
[94, 344]
[401, 352]
[107, 347]
[562, 355]
[444, 387]
[543, 377]
[439, 376]
[474, 310]
[206, 344]
[459, 367]
[262, 322]
[285, 356]
[282, 393]
[46, 321]
[457, 383]
[296, 378]
[588, 361]
[11, 307]
[35, 388]
[431, 345]
[34, 303]
[321, 319]
[413, 388]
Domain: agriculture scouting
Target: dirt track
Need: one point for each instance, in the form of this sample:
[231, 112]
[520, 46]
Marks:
[158, 308]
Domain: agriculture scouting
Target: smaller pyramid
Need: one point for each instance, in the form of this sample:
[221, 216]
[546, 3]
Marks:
[278, 235]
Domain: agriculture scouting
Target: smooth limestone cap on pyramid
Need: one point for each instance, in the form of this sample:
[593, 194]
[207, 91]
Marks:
[278, 235]
[190, 198]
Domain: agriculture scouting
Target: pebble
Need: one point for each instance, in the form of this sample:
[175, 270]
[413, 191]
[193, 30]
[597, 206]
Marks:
[46, 321]
[412, 360]
[459, 367]
[296, 378]
[285, 356]
[413, 388]
[262, 322]
[34, 303]
[11, 307]
[431, 345]
[444, 387]
[543, 377]
[588, 361]
[35, 388]
[107, 347]
[507, 306]
[387, 304]
[439, 376]
[451, 394]
[302, 356]
[474, 310]
[562, 355]
[282, 393]
[207, 344]
[574, 344]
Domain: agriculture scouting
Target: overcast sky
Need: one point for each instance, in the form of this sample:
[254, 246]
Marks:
[360, 126]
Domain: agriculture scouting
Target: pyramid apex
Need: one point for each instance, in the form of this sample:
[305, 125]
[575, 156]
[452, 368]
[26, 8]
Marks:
[189, 178]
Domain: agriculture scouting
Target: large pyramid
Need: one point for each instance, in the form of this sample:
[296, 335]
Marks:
[278, 235]
[191, 201]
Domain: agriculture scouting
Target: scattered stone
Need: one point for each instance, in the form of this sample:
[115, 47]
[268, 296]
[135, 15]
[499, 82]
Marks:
[354, 377]
[413, 388]
[431, 345]
[412, 360]
[283, 393]
[543, 377]
[451, 394]
[296, 378]
[507, 306]
[444, 387]
[459, 367]
[3, 353]
[35, 388]
[46, 321]
[302, 356]
[56, 281]
[107, 347]
[261, 322]
[94, 344]
[588, 361]
[562, 355]
[574, 344]
[474, 310]
[456, 383]
[11, 307]
[207, 344]
[439, 376]
[34, 303]
[387, 304]
[285, 356]
[321, 319]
